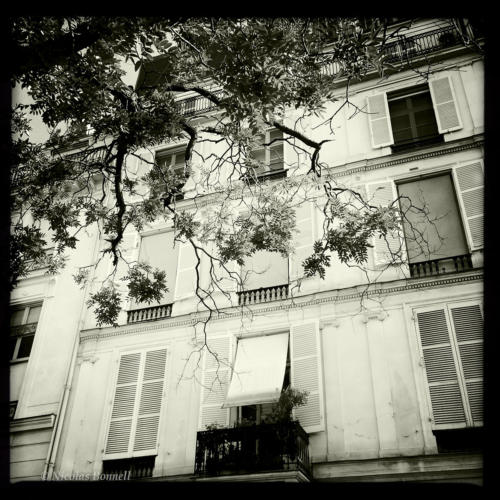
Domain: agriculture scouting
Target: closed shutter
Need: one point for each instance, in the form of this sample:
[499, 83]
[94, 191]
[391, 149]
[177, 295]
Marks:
[445, 106]
[133, 429]
[470, 182]
[451, 339]
[305, 354]
[215, 382]
[186, 273]
[122, 415]
[305, 239]
[379, 120]
[468, 325]
[148, 415]
[389, 248]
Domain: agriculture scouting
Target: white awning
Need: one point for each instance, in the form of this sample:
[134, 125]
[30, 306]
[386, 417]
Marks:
[259, 370]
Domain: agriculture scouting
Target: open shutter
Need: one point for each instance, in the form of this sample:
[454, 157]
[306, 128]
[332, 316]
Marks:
[133, 429]
[468, 325]
[379, 120]
[305, 354]
[470, 182]
[389, 248]
[186, 273]
[215, 381]
[305, 239]
[441, 369]
[445, 106]
[148, 415]
[122, 415]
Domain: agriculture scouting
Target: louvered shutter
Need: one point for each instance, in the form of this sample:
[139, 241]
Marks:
[215, 381]
[186, 273]
[148, 414]
[445, 106]
[305, 354]
[470, 181]
[468, 326]
[379, 120]
[391, 247]
[305, 239]
[135, 415]
[124, 401]
[441, 369]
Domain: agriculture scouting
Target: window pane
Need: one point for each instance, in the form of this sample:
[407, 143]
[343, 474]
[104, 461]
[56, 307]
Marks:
[25, 346]
[34, 314]
[264, 269]
[16, 317]
[258, 155]
[440, 233]
[277, 156]
[12, 346]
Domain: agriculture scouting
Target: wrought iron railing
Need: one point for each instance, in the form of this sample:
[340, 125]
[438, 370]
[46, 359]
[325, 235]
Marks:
[149, 313]
[253, 448]
[129, 468]
[269, 294]
[446, 265]
[251, 178]
[197, 104]
[408, 48]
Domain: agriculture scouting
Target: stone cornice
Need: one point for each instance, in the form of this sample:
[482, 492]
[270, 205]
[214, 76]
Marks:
[32, 423]
[383, 162]
[341, 295]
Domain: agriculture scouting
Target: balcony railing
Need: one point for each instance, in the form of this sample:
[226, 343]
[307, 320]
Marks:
[408, 48]
[445, 265]
[197, 104]
[149, 313]
[251, 449]
[265, 176]
[261, 295]
[129, 468]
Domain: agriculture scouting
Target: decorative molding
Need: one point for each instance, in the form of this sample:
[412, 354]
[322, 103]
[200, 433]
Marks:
[325, 322]
[32, 423]
[342, 295]
[374, 164]
[378, 314]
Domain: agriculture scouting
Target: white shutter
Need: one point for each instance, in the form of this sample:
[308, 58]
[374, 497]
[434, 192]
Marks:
[215, 381]
[391, 247]
[124, 401]
[186, 273]
[445, 107]
[148, 414]
[468, 325]
[470, 182]
[441, 369]
[305, 354]
[452, 344]
[379, 120]
[305, 239]
[133, 428]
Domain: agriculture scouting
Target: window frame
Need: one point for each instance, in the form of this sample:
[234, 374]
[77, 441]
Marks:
[267, 170]
[30, 327]
[174, 152]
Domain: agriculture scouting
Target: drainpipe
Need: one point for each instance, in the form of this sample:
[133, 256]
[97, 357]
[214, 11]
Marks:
[61, 412]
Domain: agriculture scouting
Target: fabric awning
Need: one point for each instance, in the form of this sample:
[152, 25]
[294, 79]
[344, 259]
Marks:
[259, 370]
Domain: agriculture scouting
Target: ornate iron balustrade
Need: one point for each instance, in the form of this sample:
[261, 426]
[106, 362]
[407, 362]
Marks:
[408, 48]
[251, 449]
[445, 265]
[261, 295]
[149, 313]
[197, 104]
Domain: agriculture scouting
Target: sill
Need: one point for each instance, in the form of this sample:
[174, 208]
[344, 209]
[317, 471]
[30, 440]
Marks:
[267, 176]
[19, 360]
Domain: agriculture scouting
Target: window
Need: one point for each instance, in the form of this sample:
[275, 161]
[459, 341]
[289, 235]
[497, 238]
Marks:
[432, 225]
[173, 162]
[415, 116]
[451, 340]
[412, 118]
[267, 158]
[23, 323]
[160, 251]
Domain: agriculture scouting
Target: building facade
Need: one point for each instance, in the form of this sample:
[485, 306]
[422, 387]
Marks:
[390, 356]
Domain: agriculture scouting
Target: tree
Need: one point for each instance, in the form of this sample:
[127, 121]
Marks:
[256, 73]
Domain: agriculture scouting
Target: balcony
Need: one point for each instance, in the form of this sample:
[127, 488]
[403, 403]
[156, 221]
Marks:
[253, 449]
[262, 295]
[149, 313]
[408, 49]
[197, 104]
[437, 267]
[271, 175]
